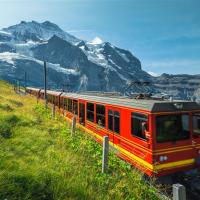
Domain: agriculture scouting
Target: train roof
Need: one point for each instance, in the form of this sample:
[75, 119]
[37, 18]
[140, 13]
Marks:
[150, 105]
[31, 88]
[55, 93]
[143, 104]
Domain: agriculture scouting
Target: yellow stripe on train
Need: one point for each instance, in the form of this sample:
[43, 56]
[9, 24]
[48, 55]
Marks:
[141, 161]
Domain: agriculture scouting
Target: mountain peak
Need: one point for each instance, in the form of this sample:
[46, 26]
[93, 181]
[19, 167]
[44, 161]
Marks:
[47, 23]
[43, 31]
[23, 22]
[50, 24]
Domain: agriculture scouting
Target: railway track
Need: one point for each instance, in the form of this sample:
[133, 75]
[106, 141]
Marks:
[192, 185]
[191, 181]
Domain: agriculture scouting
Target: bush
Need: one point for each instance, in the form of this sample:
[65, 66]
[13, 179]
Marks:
[25, 186]
[12, 119]
[5, 130]
[7, 124]
[39, 109]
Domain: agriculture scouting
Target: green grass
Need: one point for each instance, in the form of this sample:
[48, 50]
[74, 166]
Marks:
[40, 160]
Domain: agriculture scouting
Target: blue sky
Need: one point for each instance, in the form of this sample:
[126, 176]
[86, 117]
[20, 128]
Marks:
[163, 34]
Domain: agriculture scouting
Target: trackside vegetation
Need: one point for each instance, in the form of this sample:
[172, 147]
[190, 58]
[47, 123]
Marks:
[39, 160]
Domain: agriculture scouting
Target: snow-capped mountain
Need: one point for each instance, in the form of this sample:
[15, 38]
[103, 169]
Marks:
[84, 65]
[76, 64]
[35, 31]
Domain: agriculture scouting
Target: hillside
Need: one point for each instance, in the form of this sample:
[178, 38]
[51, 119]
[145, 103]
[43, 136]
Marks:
[182, 86]
[40, 160]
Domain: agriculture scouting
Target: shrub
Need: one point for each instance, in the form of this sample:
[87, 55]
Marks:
[7, 124]
[24, 186]
[5, 130]
[12, 120]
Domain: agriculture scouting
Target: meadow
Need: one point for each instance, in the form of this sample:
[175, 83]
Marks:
[40, 160]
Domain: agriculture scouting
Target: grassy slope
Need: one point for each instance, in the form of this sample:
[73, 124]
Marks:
[40, 160]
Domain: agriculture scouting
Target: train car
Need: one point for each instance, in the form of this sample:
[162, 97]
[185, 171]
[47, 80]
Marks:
[33, 91]
[53, 97]
[158, 137]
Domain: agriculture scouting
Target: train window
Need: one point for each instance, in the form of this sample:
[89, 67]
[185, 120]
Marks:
[196, 124]
[110, 120]
[172, 128]
[90, 112]
[54, 100]
[48, 98]
[100, 115]
[75, 107]
[114, 121]
[137, 122]
[57, 100]
[65, 103]
[69, 106]
[61, 102]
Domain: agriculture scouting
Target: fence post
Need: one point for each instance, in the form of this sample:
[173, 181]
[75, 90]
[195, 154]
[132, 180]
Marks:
[53, 111]
[73, 125]
[179, 192]
[105, 154]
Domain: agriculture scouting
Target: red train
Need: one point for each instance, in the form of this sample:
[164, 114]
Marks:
[158, 137]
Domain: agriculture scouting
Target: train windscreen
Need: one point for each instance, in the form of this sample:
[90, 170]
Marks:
[196, 123]
[172, 128]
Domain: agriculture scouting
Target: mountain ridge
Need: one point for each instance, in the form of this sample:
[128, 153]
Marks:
[79, 64]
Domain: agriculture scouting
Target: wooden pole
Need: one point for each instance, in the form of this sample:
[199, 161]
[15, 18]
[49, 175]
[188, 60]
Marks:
[73, 125]
[14, 86]
[179, 192]
[45, 83]
[19, 87]
[25, 81]
[53, 111]
[105, 154]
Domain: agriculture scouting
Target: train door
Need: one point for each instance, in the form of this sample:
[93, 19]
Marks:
[196, 135]
[114, 124]
[82, 113]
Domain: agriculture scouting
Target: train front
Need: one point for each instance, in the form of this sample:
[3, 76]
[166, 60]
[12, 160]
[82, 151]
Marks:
[176, 133]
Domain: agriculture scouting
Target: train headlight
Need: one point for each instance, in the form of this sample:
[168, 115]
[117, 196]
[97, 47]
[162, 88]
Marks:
[163, 158]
